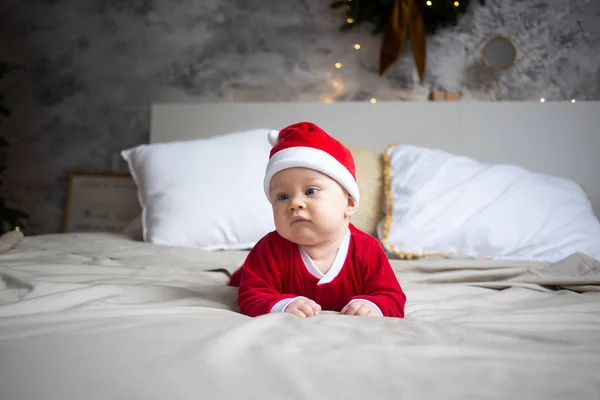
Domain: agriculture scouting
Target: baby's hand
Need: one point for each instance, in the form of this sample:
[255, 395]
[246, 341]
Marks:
[303, 308]
[361, 308]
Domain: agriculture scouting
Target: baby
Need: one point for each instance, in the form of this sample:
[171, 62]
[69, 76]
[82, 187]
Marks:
[315, 259]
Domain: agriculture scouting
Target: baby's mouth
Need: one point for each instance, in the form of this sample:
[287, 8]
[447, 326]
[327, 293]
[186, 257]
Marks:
[298, 219]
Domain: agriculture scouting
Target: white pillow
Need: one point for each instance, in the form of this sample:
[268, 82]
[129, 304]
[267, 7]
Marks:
[442, 203]
[204, 193]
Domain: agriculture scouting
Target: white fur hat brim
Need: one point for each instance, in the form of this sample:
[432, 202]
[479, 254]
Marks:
[309, 157]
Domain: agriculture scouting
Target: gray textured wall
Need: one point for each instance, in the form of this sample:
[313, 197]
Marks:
[86, 72]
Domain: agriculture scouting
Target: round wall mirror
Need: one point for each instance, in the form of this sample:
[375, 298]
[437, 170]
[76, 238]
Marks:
[499, 53]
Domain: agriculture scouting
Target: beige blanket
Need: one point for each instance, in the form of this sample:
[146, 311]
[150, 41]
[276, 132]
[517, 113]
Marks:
[100, 316]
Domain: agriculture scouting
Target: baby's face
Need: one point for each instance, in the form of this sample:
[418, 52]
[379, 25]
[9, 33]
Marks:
[309, 207]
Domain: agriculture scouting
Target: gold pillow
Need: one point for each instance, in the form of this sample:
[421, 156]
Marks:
[369, 177]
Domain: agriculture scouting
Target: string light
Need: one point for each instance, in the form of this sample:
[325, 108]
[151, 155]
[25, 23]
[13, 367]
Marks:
[456, 4]
[542, 100]
[349, 20]
[373, 100]
[357, 46]
[429, 3]
[573, 101]
[338, 65]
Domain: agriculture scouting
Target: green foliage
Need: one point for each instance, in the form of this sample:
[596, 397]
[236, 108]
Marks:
[9, 217]
[436, 13]
[4, 112]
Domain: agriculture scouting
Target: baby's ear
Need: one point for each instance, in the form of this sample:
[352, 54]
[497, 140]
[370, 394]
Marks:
[351, 208]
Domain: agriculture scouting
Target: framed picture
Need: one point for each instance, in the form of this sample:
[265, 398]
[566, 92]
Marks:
[100, 202]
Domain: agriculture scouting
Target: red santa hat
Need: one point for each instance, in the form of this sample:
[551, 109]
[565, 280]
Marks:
[306, 145]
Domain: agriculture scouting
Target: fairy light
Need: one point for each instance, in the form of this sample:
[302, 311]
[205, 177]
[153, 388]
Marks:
[456, 4]
[357, 46]
[373, 100]
[338, 65]
[350, 20]
[573, 101]
[542, 100]
[429, 3]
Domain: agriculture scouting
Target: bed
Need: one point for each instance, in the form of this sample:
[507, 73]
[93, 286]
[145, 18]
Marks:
[137, 315]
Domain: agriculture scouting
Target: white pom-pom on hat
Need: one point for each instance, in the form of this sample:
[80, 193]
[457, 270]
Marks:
[273, 137]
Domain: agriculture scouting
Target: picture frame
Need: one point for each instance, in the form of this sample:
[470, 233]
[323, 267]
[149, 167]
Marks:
[100, 201]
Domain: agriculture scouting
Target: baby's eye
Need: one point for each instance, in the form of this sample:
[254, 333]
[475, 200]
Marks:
[283, 197]
[311, 191]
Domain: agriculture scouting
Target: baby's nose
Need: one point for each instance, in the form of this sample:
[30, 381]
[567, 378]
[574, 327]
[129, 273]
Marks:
[297, 204]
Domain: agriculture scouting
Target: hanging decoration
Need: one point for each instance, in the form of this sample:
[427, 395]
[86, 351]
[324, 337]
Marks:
[402, 19]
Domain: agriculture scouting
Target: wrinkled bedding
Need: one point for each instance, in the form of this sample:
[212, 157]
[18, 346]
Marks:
[102, 316]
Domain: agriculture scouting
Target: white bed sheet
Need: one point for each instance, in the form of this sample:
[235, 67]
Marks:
[100, 316]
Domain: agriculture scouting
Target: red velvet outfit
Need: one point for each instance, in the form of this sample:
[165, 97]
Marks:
[277, 271]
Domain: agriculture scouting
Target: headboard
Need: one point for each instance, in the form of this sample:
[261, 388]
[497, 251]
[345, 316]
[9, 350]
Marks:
[557, 138]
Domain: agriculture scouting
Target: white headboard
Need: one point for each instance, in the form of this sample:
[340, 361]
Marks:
[557, 138]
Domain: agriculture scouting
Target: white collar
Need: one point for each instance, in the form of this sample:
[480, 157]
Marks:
[336, 266]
